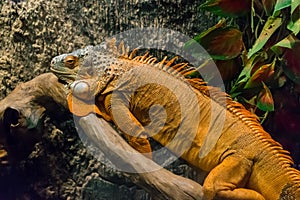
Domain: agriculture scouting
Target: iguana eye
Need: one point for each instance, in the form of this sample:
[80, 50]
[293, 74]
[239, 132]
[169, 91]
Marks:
[71, 61]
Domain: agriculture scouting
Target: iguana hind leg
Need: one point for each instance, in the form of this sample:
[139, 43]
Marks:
[226, 181]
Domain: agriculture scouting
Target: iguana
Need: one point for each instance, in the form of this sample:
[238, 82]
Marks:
[245, 163]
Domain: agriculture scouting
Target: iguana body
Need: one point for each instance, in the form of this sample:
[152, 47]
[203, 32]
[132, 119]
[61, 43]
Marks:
[245, 163]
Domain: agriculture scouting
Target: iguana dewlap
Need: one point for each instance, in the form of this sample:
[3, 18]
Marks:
[144, 97]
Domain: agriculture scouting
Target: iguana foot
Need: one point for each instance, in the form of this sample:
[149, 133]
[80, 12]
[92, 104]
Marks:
[226, 181]
[141, 144]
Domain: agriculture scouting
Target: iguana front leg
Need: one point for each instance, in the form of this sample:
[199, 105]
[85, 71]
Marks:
[83, 102]
[226, 181]
[130, 126]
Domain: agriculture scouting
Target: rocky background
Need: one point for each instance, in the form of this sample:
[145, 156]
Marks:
[58, 166]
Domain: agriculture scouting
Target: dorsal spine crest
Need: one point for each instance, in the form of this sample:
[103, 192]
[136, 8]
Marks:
[180, 70]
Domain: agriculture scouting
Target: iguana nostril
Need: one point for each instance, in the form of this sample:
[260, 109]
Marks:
[52, 62]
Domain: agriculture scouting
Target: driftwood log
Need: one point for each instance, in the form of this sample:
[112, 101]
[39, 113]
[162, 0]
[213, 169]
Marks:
[22, 112]
[23, 109]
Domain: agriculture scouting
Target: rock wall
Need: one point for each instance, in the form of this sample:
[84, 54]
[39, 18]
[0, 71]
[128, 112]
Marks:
[34, 31]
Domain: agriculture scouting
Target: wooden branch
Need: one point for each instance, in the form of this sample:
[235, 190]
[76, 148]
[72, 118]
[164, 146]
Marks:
[23, 109]
[31, 100]
[161, 183]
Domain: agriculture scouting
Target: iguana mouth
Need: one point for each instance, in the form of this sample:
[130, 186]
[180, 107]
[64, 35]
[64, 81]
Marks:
[63, 74]
[59, 71]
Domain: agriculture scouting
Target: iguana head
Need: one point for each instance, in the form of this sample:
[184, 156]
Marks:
[89, 72]
[99, 65]
[66, 66]
[89, 62]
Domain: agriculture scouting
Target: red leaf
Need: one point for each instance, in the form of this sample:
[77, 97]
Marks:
[269, 6]
[228, 8]
[292, 57]
[265, 100]
[236, 7]
[223, 43]
[260, 75]
[228, 68]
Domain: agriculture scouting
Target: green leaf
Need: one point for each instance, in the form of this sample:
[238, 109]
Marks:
[236, 91]
[290, 48]
[245, 74]
[281, 4]
[227, 8]
[265, 100]
[235, 94]
[287, 42]
[270, 27]
[294, 5]
[253, 61]
[294, 26]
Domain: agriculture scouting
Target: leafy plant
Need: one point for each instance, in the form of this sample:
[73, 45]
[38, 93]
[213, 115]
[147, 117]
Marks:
[256, 47]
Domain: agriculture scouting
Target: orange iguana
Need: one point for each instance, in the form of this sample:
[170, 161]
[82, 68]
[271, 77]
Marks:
[145, 98]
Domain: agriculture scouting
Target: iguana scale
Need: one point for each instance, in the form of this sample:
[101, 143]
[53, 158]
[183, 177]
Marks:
[245, 163]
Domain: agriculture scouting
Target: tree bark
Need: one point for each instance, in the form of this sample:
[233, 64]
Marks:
[25, 106]
[32, 98]
[161, 183]
[21, 114]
